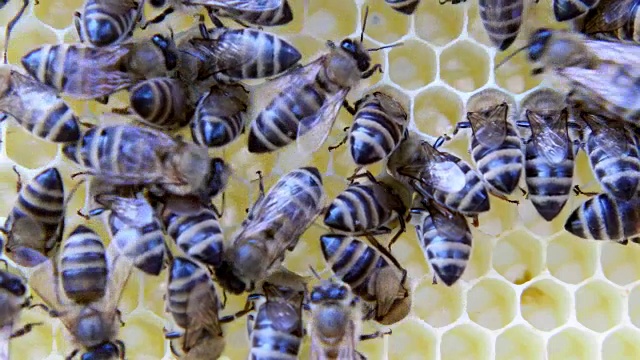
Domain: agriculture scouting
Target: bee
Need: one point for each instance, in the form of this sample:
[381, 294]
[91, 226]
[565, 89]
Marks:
[195, 229]
[335, 323]
[12, 23]
[502, 20]
[570, 9]
[79, 71]
[613, 19]
[447, 179]
[603, 217]
[380, 123]
[274, 224]
[161, 102]
[495, 145]
[311, 98]
[275, 327]
[93, 326]
[133, 155]
[151, 58]
[613, 154]
[366, 208]
[371, 276]
[445, 239]
[407, 7]
[35, 224]
[37, 108]
[549, 157]
[107, 22]
[220, 116]
[83, 266]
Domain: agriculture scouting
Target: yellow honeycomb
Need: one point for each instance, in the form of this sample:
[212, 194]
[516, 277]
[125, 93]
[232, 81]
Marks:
[530, 291]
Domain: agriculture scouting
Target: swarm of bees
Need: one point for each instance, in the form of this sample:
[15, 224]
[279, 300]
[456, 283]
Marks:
[152, 185]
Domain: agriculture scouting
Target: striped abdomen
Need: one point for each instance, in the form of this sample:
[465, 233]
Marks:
[83, 266]
[569, 9]
[362, 207]
[549, 185]
[217, 121]
[604, 217]
[106, 24]
[198, 234]
[407, 7]
[143, 244]
[618, 175]
[501, 167]
[374, 133]
[626, 27]
[501, 20]
[472, 199]
[279, 16]
[161, 102]
[188, 282]
[271, 341]
[448, 255]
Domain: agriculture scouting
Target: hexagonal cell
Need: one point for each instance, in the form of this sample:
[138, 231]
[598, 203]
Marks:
[437, 110]
[58, 17]
[299, 260]
[519, 342]
[142, 335]
[463, 340]
[406, 335]
[445, 304]
[9, 181]
[537, 225]
[410, 74]
[518, 257]
[515, 75]
[408, 252]
[624, 343]
[475, 27]
[29, 35]
[599, 306]
[131, 294]
[154, 288]
[491, 303]
[385, 24]
[332, 19]
[309, 46]
[634, 309]
[465, 66]
[480, 260]
[570, 259]
[572, 343]
[371, 348]
[235, 333]
[503, 215]
[439, 24]
[18, 141]
[545, 304]
[619, 263]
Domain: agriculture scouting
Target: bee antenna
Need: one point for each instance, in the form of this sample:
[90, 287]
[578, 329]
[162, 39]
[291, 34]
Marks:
[511, 56]
[386, 47]
[364, 22]
[315, 273]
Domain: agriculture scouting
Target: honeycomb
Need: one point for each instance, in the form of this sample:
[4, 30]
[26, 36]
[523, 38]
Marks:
[530, 291]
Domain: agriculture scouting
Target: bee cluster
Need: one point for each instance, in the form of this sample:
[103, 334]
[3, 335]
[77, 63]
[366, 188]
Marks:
[152, 185]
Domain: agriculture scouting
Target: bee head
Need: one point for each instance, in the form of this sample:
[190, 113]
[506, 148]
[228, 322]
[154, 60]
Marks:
[165, 44]
[229, 280]
[538, 43]
[359, 53]
[331, 291]
[104, 351]
[12, 284]
[219, 177]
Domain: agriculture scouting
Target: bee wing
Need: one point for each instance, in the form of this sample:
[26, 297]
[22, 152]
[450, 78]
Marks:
[119, 267]
[5, 336]
[241, 5]
[608, 16]
[453, 225]
[202, 309]
[118, 6]
[490, 127]
[314, 130]
[221, 55]
[615, 52]
[549, 135]
[101, 75]
[441, 171]
[610, 135]
[28, 100]
[610, 82]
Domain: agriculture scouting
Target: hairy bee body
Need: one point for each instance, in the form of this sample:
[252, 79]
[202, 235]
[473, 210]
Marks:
[614, 19]
[370, 275]
[13, 297]
[37, 108]
[501, 20]
[79, 71]
[107, 22]
[83, 266]
[220, 117]
[570, 9]
[35, 224]
[161, 103]
[472, 199]
[380, 123]
[406, 7]
[603, 217]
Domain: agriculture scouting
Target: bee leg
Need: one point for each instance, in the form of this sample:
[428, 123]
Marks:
[524, 193]
[623, 241]
[342, 142]
[170, 335]
[121, 348]
[348, 107]
[122, 111]
[76, 22]
[474, 221]
[439, 141]
[72, 354]
[229, 318]
[578, 191]
[502, 197]
[44, 307]
[435, 280]
[367, 74]
[260, 184]
[522, 123]
[214, 19]
[158, 19]
[119, 316]
[375, 335]
[403, 228]
[460, 125]
[25, 329]
[19, 183]
[537, 71]
[366, 174]
[102, 99]
[374, 242]
[12, 23]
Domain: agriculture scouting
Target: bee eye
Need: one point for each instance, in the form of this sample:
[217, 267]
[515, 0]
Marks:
[16, 287]
[538, 43]
[348, 45]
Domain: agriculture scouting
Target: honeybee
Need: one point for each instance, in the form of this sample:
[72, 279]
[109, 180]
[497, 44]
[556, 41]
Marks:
[501, 20]
[570, 9]
[379, 124]
[13, 298]
[133, 155]
[407, 7]
[94, 326]
[549, 157]
[447, 179]
[79, 71]
[12, 23]
[162, 103]
[275, 327]
[445, 239]
[274, 224]
[613, 19]
[495, 145]
[220, 116]
[107, 22]
[37, 107]
[372, 276]
[83, 266]
[35, 224]
[613, 155]
[151, 58]
[311, 98]
[367, 208]
[616, 219]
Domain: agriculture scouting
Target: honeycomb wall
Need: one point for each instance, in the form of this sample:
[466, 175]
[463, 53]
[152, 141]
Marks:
[531, 290]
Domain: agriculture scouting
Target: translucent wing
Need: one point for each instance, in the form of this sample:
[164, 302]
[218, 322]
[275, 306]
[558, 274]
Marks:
[441, 171]
[314, 130]
[549, 134]
[119, 270]
[608, 134]
[490, 126]
[450, 224]
[608, 16]
[131, 211]
[119, 6]
[44, 280]
[241, 5]
[202, 309]
[615, 52]
[220, 56]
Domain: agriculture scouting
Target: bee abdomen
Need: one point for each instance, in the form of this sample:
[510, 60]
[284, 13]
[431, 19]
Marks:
[407, 7]
[42, 200]
[198, 235]
[373, 135]
[211, 130]
[184, 277]
[605, 218]
[502, 20]
[472, 199]
[103, 26]
[143, 245]
[268, 342]
[49, 64]
[501, 167]
[58, 123]
[160, 102]
[618, 176]
[568, 9]
[356, 209]
[83, 266]
[280, 16]
[549, 185]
